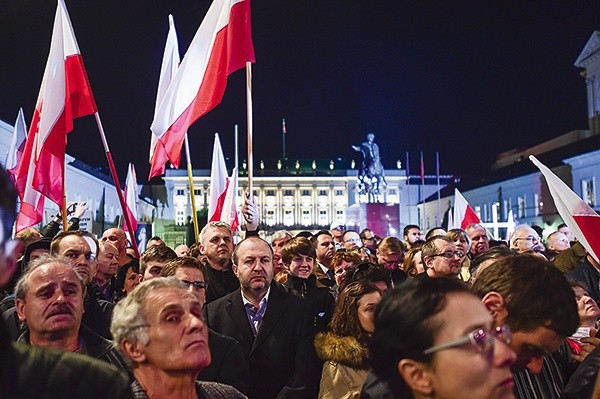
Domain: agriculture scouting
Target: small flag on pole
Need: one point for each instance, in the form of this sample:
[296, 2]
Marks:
[222, 205]
[17, 145]
[131, 198]
[464, 214]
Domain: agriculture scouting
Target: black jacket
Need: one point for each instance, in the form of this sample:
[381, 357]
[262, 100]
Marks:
[320, 301]
[281, 357]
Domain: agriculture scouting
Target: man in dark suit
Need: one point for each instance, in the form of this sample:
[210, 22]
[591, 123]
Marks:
[271, 325]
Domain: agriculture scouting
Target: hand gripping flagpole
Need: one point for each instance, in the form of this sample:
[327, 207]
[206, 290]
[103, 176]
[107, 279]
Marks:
[113, 172]
[192, 191]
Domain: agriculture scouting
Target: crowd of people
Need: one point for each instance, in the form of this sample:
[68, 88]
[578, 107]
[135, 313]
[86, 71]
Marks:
[329, 314]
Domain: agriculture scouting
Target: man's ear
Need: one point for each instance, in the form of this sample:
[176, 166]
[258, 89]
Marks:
[495, 303]
[417, 376]
[20, 305]
[134, 351]
[428, 262]
[234, 268]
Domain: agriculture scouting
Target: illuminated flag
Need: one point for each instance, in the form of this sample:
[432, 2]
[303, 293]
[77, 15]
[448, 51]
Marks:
[464, 214]
[579, 216]
[65, 94]
[17, 145]
[221, 205]
[221, 46]
[131, 198]
[170, 63]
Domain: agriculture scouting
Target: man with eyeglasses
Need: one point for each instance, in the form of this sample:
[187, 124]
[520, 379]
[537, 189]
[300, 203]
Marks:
[352, 240]
[390, 255]
[80, 248]
[534, 298]
[526, 239]
[441, 257]
[228, 365]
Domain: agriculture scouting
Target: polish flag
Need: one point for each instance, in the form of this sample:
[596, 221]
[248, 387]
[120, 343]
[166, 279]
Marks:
[464, 214]
[170, 63]
[65, 94]
[131, 198]
[579, 216]
[221, 46]
[17, 145]
[222, 206]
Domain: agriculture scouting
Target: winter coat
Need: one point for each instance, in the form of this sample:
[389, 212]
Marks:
[346, 366]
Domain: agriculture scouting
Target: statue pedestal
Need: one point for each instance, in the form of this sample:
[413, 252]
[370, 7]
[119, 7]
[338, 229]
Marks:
[382, 219]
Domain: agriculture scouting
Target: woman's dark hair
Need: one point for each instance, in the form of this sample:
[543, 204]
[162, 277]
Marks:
[122, 273]
[344, 321]
[405, 325]
[369, 272]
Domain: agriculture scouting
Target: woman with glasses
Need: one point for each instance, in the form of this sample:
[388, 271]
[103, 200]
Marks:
[344, 347]
[434, 339]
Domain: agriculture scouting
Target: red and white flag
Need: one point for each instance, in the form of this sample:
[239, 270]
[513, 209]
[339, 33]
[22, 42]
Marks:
[464, 214]
[221, 46]
[17, 145]
[579, 216]
[131, 198]
[65, 94]
[170, 63]
[222, 205]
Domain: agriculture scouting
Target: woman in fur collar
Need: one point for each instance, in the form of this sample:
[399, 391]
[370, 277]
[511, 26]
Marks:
[344, 347]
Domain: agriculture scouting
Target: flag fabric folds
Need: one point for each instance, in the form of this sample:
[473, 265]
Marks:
[65, 94]
[17, 145]
[222, 204]
[221, 46]
[464, 214]
[131, 198]
[579, 216]
[170, 63]
[422, 170]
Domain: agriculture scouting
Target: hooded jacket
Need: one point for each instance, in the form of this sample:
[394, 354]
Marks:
[346, 366]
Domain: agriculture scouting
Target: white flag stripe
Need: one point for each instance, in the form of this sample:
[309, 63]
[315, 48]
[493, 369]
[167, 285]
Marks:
[169, 66]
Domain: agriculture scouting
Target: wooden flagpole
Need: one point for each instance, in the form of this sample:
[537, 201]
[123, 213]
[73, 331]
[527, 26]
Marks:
[64, 201]
[113, 172]
[249, 122]
[192, 191]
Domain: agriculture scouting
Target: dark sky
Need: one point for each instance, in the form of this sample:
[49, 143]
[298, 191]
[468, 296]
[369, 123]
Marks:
[466, 79]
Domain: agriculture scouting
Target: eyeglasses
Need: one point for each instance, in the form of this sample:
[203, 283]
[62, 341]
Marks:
[450, 254]
[482, 340]
[528, 238]
[199, 285]
[339, 272]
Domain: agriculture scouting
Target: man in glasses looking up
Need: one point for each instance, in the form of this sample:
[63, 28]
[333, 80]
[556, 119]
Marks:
[441, 257]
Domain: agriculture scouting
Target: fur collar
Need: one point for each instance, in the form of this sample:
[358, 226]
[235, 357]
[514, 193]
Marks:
[344, 350]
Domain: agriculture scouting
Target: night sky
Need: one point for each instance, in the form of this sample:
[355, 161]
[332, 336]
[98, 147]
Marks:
[462, 78]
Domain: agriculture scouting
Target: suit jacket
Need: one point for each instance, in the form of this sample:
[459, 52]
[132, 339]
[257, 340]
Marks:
[281, 357]
[228, 364]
